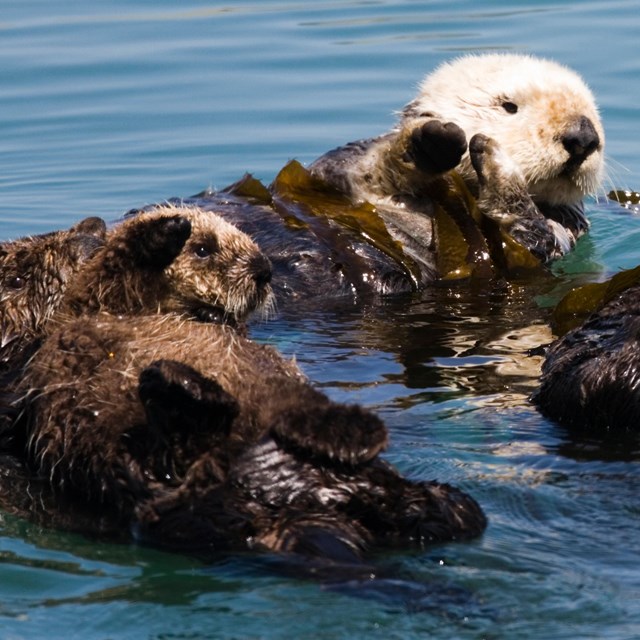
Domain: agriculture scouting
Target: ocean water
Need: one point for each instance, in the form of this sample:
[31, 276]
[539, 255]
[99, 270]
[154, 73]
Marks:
[112, 105]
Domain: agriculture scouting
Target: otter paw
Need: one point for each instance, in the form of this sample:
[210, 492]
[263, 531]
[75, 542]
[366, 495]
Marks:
[329, 536]
[436, 147]
[338, 433]
[176, 397]
[157, 243]
[480, 147]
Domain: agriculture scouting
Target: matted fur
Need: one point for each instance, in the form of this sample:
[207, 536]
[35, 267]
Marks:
[34, 274]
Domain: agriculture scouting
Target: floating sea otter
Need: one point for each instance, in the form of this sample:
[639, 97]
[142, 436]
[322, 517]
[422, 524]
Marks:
[189, 435]
[396, 212]
[590, 376]
[34, 273]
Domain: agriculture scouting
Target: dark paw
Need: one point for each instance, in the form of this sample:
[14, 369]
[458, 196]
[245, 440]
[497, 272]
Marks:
[328, 536]
[479, 146]
[339, 433]
[157, 242]
[178, 398]
[436, 147]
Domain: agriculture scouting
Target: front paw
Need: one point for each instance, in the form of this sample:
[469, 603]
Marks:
[436, 147]
[156, 242]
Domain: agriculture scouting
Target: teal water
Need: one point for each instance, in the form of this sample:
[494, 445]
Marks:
[108, 106]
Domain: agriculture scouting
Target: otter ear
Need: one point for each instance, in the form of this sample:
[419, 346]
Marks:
[177, 398]
[156, 242]
[92, 226]
[89, 236]
[346, 434]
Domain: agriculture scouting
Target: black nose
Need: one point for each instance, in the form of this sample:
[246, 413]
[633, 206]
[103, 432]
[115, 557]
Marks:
[581, 139]
[261, 271]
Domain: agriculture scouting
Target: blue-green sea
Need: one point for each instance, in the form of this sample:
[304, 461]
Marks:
[106, 106]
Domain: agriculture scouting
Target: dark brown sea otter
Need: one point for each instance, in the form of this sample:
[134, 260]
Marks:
[34, 274]
[195, 437]
[591, 375]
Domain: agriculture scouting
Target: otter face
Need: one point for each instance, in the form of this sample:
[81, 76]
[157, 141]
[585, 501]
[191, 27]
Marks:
[220, 274]
[34, 272]
[540, 113]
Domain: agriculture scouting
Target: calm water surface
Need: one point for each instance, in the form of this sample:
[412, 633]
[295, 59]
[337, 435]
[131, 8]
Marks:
[108, 106]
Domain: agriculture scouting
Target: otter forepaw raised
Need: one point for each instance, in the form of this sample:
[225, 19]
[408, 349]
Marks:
[436, 147]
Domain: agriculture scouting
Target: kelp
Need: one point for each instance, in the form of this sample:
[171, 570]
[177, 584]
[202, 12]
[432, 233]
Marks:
[625, 197]
[582, 301]
[475, 246]
[313, 202]
[457, 226]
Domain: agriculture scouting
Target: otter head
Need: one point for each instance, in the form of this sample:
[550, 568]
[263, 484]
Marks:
[220, 275]
[34, 272]
[540, 113]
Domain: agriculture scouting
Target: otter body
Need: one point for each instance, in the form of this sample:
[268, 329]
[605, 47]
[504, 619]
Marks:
[544, 130]
[188, 433]
[590, 375]
[34, 274]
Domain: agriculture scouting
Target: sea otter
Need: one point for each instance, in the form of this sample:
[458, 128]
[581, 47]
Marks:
[392, 213]
[174, 260]
[197, 437]
[34, 273]
[590, 375]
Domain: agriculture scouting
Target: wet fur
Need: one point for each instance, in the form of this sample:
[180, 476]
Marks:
[34, 274]
[591, 376]
[198, 438]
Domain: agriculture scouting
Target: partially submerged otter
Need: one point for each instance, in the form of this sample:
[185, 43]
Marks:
[195, 436]
[384, 215]
[590, 376]
[34, 274]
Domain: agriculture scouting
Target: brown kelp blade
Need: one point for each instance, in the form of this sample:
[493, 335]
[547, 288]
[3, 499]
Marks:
[582, 301]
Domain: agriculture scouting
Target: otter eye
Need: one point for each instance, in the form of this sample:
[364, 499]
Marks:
[16, 282]
[510, 107]
[201, 251]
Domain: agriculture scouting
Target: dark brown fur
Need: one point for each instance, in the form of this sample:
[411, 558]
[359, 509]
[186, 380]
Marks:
[34, 273]
[201, 438]
[248, 454]
[591, 375]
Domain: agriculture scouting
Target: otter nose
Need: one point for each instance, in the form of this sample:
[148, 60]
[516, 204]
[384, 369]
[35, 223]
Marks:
[260, 270]
[580, 140]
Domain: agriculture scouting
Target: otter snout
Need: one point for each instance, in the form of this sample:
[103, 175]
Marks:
[580, 140]
[260, 268]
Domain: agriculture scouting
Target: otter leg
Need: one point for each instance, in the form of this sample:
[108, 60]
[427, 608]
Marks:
[318, 427]
[397, 511]
[504, 198]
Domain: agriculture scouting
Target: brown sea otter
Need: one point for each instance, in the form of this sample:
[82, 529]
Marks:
[194, 436]
[34, 274]
[591, 375]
